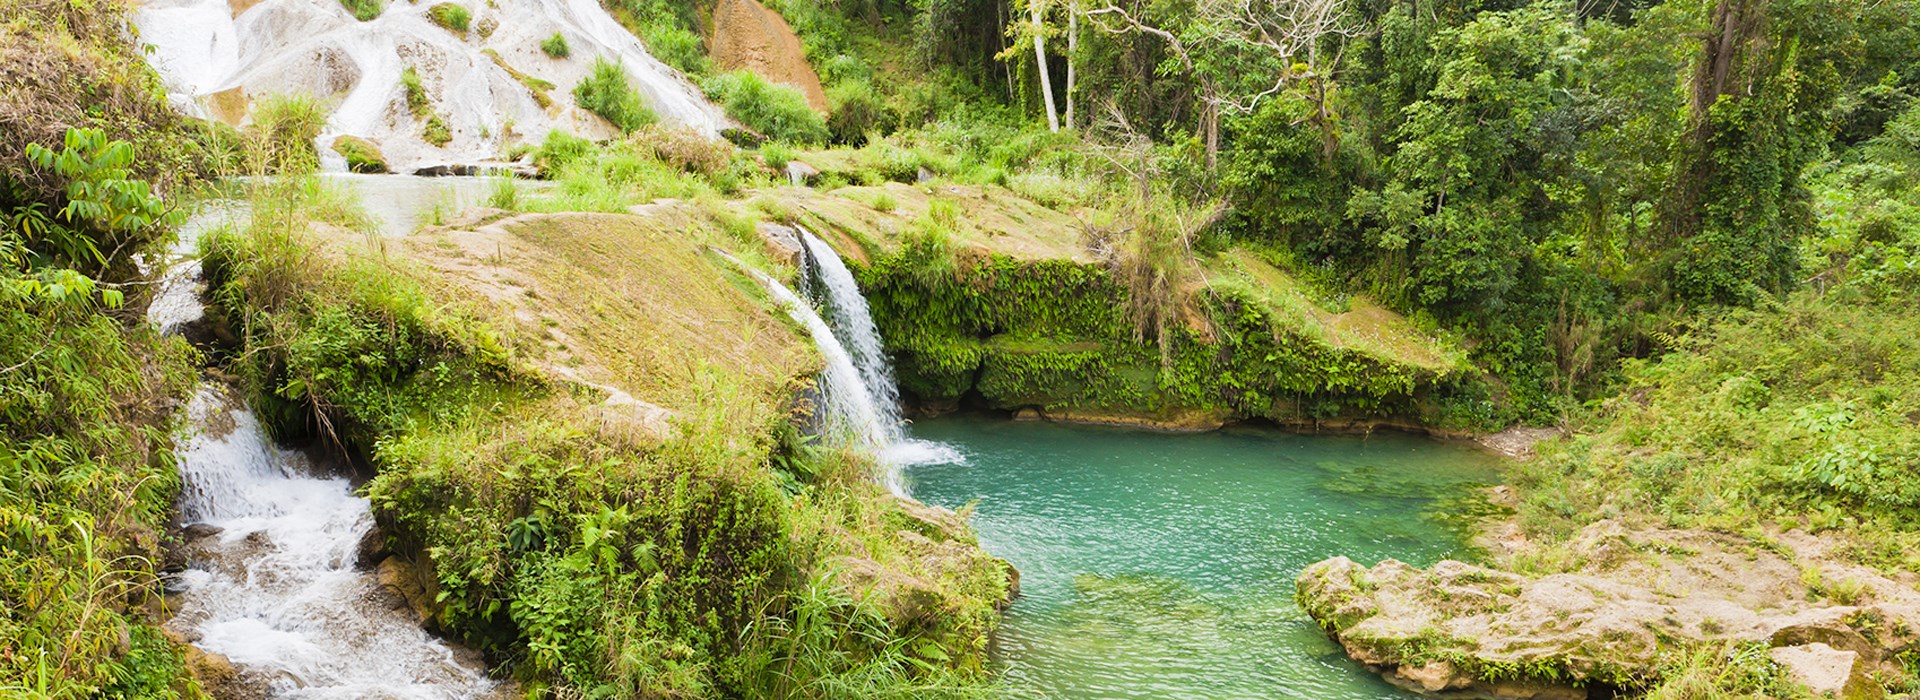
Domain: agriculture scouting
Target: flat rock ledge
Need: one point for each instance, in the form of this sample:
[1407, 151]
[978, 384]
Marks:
[1458, 630]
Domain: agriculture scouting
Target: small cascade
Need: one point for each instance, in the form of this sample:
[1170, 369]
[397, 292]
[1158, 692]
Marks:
[272, 546]
[861, 403]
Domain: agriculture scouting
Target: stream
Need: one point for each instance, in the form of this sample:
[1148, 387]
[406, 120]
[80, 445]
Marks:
[1159, 565]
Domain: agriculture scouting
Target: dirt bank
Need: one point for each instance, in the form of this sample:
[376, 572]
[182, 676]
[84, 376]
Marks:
[745, 35]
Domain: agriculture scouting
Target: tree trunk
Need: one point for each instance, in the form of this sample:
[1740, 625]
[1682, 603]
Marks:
[1210, 122]
[1040, 60]
[1073, 54]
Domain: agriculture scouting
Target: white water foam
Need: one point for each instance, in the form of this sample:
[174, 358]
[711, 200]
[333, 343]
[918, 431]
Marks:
[274, 587]
[276, 590]
[858, 411]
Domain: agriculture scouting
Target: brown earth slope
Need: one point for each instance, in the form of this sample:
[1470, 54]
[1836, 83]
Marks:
[748, 36]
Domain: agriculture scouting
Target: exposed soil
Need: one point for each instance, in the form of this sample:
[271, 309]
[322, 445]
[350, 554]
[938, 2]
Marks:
[748, 36]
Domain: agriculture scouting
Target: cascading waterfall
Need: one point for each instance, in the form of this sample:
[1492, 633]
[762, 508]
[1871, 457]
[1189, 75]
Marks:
[271, 580]
[859, 401]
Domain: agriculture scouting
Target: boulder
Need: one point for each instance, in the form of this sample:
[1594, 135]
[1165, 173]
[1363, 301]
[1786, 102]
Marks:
[1828, 672]
[782, 243]
[362, 155]
[372, 548]
[401, 581]
[799, 173]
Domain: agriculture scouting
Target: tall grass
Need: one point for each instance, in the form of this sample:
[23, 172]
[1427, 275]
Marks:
[607, 93]
[283, 132]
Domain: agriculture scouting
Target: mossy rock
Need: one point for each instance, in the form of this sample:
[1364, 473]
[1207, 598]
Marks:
[362, 155]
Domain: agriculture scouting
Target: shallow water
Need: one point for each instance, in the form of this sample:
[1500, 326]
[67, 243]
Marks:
[1161, 566]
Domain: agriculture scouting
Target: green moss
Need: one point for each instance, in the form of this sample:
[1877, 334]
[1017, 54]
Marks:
[364, 10]
[450, 16]
[435, 132]
[417, 102]
[362, 156]
[1053, 334]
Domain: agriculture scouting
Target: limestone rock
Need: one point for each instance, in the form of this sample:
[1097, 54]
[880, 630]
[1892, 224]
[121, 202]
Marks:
[782, 242]
[799, 173]
[1828, 672]
[1421, 627]
[402, 581]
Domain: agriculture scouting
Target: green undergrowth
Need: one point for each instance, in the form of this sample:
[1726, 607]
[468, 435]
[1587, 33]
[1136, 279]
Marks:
[1798, 415]
[1803, 412]
[608, 93]
[87, 481]
[725, 557]
[1057, 334]
[88, 399]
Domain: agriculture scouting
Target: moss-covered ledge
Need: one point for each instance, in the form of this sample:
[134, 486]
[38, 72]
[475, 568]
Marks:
[581, 429]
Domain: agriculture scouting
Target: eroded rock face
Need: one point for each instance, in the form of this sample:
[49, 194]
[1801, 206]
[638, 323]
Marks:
[1451, 628]
[1828, 672]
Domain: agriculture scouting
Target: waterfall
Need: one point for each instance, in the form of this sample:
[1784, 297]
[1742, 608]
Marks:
[852, 323]
[272, 545]
[859, 401]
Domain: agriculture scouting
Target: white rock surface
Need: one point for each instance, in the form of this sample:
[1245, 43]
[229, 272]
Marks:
[216, 57]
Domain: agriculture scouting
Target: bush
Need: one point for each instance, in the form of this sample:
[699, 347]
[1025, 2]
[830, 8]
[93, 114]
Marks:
[857, 112]
[450, 16]
[559, 149]
[777, 111]
[777, 155]
[363, 10]
[677, 47]
[556, 46]
[607, 94]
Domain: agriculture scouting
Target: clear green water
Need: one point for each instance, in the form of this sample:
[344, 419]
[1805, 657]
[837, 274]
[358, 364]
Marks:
[1161, 566]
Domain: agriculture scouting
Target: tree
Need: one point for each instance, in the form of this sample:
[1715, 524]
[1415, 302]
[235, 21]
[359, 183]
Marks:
[1245, 51]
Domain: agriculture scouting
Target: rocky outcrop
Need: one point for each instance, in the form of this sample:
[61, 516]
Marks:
[1462, 629]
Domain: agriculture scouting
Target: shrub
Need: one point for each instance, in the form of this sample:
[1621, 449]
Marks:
[686, 149]
[607, 94]
[556, 46]
[777, 155]
[362, 156]
[778, 111]
[453, 17]
[857, 112]
[363, 10]
[677, 47]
